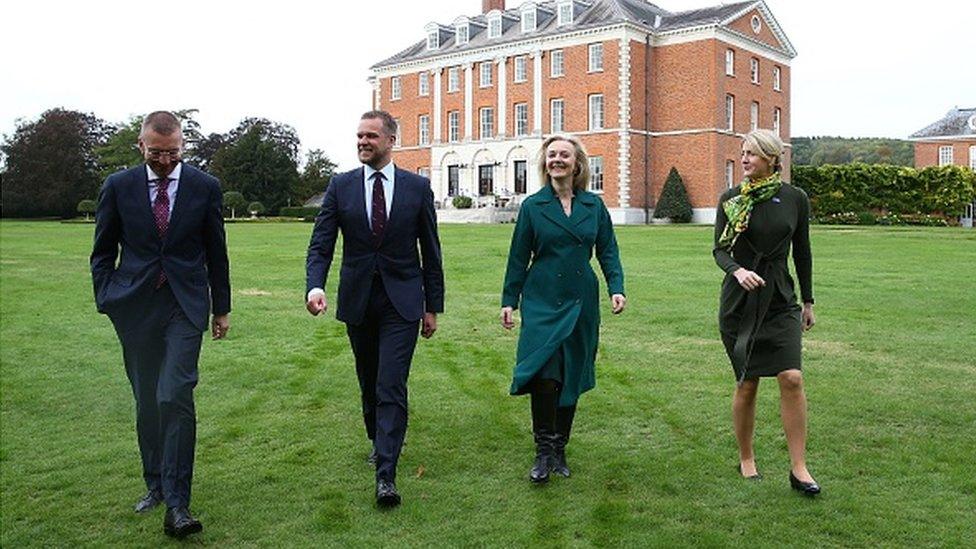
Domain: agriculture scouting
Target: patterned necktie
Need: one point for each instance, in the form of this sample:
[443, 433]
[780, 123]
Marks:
[161, 214]
[378, 217]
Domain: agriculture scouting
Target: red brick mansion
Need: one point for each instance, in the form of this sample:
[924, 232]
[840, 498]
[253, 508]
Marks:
[645, 89]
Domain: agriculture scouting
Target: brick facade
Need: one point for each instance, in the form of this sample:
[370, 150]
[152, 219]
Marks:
[679, 86]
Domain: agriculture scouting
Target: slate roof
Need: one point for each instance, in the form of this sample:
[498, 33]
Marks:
[599, 13]
[956, 123]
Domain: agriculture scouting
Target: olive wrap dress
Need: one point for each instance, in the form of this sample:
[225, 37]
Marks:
[550, 278]
[761, 329]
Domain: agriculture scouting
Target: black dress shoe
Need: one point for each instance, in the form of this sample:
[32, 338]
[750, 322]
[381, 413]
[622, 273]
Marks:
[149, 501]
[808, 488]
[371, 459]
[179, 523]
[386, 494]
[757, 476]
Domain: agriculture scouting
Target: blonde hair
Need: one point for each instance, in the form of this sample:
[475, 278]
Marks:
[581, 172]
[768, 146]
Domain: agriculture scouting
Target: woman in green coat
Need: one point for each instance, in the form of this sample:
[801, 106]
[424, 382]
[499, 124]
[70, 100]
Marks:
[760, 321]
[550, 278]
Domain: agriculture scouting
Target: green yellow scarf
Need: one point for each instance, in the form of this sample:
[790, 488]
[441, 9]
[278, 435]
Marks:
[738, 209]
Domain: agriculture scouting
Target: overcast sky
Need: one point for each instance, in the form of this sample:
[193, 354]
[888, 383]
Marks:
[864, 69]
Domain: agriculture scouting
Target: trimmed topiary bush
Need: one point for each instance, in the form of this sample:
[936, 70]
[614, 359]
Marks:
[87, 207]
[462, 202]
[674, 203]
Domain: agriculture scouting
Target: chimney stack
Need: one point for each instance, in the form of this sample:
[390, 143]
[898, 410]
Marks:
[488, 5]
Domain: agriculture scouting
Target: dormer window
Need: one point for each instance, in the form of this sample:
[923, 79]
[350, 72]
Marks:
[462, 31]
[529, 17]
[433, 39]
[494, 24]
[565, 12]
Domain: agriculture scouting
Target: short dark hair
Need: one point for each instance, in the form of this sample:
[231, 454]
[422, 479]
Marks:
[389, 123]
[161, 122]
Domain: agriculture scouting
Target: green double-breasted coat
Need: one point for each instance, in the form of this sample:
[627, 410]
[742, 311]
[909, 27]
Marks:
[549, 277]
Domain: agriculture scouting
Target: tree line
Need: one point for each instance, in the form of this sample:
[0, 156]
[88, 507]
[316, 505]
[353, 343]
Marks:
[820, 151]
[59, 160]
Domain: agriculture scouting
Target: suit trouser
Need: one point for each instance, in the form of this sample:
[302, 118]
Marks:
[161, 351]
[383, 345]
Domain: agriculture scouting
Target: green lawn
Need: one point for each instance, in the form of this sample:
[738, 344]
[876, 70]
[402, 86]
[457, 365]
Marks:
[890, 370]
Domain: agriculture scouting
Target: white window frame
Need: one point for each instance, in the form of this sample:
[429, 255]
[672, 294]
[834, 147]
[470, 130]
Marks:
[730, 112]
[396, 88]
[454, 126]
[730, 62]
[557, 63]
[521, 70]
[596, 174]
[495, 25]
[423, 84]
[754, 70]
[730, 173]
[423, 129]
[777, 78]
[754, 116]
[945, 155]
[972, 157]
[777, 121]
[462, 34]
[485, 72]
[529, 19]
[561, 117]
[521, 119]
[433, 39]
[597, 118]
[595, 57]
[453, 79]
[564, 9]
[398, 142]
[486, 115]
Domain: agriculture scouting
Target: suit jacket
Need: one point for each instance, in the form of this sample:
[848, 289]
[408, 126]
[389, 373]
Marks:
[193, 254]
[413, 287]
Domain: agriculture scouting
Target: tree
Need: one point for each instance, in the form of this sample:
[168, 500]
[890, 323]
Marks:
[202, 152]
[87, 207]
[259, 161]
[121, 150]
[235, 201]
[315, 176]
[52, 164]
[255, 208]
[674, 201]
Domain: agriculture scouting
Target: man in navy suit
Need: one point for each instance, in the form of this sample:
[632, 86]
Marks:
[385, 289]
[158, 262]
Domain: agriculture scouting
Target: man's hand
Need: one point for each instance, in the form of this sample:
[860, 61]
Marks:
[429, 326]
[316, 303]
[508, 318]
[618, 302]
[220, 326]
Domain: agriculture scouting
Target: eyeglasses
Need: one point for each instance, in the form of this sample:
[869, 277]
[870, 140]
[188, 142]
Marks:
[156, 154]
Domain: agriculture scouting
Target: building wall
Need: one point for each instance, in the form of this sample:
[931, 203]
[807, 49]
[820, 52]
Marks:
[927, 152]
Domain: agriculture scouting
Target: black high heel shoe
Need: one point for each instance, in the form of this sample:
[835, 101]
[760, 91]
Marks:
[808, 488]
[757, 476]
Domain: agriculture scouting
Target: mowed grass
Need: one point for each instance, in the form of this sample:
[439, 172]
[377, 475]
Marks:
[890, 371]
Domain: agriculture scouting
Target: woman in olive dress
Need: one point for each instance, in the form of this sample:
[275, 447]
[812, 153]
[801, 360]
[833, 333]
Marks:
[549, 277]
[760, 321]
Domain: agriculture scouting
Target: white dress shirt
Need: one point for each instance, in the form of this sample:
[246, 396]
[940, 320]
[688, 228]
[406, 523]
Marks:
[388, 172]
[174, 183]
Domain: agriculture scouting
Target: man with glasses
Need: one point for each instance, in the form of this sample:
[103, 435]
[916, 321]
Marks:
[158, 262]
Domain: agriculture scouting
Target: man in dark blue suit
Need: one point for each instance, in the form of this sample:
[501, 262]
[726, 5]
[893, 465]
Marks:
[159, 260]
[385, 289]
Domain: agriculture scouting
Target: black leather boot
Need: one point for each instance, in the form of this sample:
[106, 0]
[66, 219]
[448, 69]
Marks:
[564, 424]
[544, 401]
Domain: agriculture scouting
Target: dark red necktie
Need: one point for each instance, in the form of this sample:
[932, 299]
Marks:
[161, 214]
[378, 217]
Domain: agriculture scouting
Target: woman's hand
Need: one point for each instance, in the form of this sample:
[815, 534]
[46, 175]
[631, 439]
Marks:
[508, 318]
[748, 279]
[808, 319]
[618, 302]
